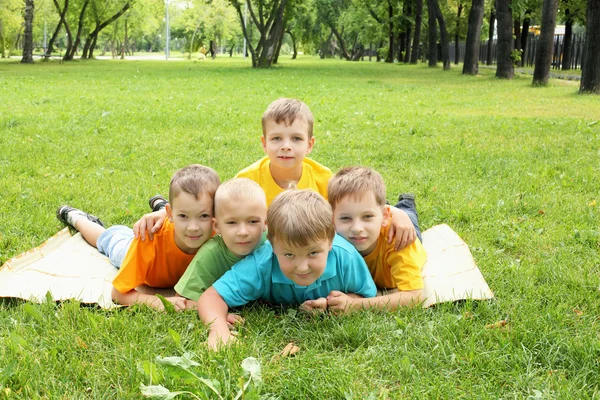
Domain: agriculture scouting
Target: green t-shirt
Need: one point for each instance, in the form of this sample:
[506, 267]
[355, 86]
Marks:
[209, 264]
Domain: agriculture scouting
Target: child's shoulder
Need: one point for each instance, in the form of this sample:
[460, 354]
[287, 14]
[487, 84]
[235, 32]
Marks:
[317, 167]
[253, 168]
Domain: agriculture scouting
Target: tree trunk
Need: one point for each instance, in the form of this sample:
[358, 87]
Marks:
[408, 14]
[590, 73]
[390, 55]
[295, 51]
[212, 49]
[517, 33]
[525, 35]
[443, 35]
[71, 54]
[62, 13]
[28, 35]
[414, 56]
[470, 65]
[432, 34]
[505, 67]
[278, 48]
[231, 50]
[543, 57]
[124, 44]
[92, 37]
[456, 34]
[566, 57]
[2, 42]
[489, 58]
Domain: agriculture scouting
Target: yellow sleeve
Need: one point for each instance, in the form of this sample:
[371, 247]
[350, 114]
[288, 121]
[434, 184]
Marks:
[406, 266]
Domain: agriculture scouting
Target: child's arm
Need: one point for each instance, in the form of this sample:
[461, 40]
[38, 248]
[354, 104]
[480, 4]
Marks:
[401, 228]
[314, 305]
[150, 223]
[134, 297]
[339, 301]
[212, 310]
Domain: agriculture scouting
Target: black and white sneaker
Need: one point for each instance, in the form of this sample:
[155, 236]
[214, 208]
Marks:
[157, 202]
[69, 215]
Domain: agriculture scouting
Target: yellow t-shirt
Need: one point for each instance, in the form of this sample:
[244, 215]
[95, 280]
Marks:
[157, 263]
[314, 176]
[393, 269]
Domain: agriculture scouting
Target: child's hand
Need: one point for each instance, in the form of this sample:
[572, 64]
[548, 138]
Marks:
[219, 339]
[402, 229]
[151, 223]
[233, 320]
[340, 302]
[314, 305]
[178, 302]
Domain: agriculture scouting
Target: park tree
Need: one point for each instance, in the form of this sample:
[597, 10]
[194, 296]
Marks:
[505, 65]
[491, 30]
[590, 72]
[543, 58]
[103, 14]
[267, 16]
[418, 15]
[435, 15]
[570, 12]
[384, 13]
[28, 33]
[471, 63]
[11, 24]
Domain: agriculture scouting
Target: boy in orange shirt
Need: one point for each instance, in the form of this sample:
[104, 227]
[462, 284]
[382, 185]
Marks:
[361, 216]
[161, 262]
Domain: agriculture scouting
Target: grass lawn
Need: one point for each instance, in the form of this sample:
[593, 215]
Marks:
[512, 168]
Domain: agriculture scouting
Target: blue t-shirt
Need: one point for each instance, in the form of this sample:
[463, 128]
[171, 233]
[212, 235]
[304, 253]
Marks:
[258, 277]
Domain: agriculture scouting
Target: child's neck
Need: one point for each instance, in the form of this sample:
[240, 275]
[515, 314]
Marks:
[283, 177]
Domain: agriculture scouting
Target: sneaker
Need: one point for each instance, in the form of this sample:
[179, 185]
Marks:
[406, 196]
[69, 215]
[157, 202]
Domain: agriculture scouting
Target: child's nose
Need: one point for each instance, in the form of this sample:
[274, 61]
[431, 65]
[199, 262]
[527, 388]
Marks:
[243, 229]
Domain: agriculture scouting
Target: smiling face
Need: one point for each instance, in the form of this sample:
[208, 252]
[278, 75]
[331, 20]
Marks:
[241, 224]
[286, 146]
[192, 220]
[359, 220]
[302, 264]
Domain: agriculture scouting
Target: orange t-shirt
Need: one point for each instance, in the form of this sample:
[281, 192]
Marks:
[157, 263]
[399, 269]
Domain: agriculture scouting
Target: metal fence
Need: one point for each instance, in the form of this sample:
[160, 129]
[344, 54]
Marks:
[528, 56]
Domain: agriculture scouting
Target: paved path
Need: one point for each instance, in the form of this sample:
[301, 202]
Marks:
[555, 75]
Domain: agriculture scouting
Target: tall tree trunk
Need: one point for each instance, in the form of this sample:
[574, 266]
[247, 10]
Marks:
[543, 57]
[124, 44]
[278, 48]
[470, 65]
[457, 33]
[408, 14]
[28, 35]
[71, 54]
[414, 56]
[566, 57]
[2, 42]
[443, 35]
[62, 13]
[517, 33]
[390, 54]
[231, 50]
[213, 48]
[525, 35]
[432, 34]
[590, 74]
[489, 58]
[295, 50]
[92, 37]
[192, 41]
[505, 68]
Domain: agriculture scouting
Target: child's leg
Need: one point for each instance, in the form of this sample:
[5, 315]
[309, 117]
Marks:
[89, 230]
[90, 226]
[406, 203]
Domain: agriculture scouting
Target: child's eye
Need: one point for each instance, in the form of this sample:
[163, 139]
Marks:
[288, 255]
[182, 216]
[205, 216]
[313, 254]
[275, 138]
[230, 222]
[255, 221]
[298, 139]
[345, 218]
[368, 216]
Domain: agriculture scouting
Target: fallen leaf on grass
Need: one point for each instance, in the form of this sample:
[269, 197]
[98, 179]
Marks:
[81, 343]
[498, 324]
[579, 313]
[592, 204]
[288, 351]
[541, 212]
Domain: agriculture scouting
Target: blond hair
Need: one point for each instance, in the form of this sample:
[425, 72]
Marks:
[239, 190]
[287, 111]
[194, 179]
[356, 182]
[299, 218]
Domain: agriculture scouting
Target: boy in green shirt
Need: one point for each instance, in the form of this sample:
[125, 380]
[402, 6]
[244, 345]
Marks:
[240, 224]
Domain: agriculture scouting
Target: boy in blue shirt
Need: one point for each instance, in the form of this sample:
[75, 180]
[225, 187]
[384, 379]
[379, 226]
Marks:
[301, 263]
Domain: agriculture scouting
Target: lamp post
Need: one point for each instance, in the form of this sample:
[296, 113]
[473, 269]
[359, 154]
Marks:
[167, 30]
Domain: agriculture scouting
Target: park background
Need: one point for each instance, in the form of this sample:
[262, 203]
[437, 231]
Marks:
[513, 168]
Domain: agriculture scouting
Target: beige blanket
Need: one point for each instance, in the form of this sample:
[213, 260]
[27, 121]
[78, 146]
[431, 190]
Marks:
[68, 268]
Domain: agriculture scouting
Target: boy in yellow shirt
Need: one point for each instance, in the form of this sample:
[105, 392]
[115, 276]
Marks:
[361, 216]
[159, 263]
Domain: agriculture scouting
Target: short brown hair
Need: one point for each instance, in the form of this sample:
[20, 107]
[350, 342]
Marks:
[239, 189]
[356, 182]
[194, 179]
[287, 111]
[299, 218]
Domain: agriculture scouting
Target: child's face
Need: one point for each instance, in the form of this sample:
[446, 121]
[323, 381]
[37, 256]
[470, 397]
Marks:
[360, 220]
[241, 225]
[303, 265]
[286, 146]
[192, 220]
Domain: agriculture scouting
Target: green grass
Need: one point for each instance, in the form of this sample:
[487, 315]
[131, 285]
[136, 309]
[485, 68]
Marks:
[513, 169]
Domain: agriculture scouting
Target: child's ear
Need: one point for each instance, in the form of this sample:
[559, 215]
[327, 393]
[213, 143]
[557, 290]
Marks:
[386, 215]
[215, 225]
[311, 143]
[169, 211]
[264, 142]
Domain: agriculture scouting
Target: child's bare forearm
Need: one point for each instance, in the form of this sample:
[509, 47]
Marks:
[391, 301]
[135, 297]
[212, 310]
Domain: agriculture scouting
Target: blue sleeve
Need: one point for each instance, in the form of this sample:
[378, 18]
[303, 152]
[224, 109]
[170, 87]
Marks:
[356, 275]
[244, 283]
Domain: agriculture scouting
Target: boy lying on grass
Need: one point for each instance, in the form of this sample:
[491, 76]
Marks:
[357, 197]
[287, 139]
[161, 262]
[302, 260]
